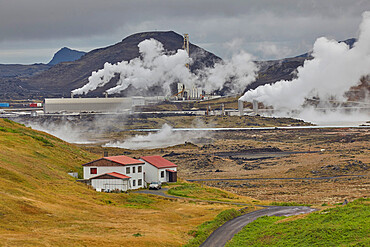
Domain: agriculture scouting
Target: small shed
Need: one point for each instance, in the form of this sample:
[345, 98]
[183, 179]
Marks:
[108, 182]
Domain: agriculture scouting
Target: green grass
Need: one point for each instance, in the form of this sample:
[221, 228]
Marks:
[340, 226]
[139, 201]
[289, 204]
[204, 230]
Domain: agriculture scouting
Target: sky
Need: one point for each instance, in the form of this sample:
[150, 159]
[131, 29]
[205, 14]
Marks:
[31, 31]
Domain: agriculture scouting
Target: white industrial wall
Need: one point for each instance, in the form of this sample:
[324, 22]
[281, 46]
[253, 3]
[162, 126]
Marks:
[111, 184]
[97, 104]
[120, 169]
[87, 105]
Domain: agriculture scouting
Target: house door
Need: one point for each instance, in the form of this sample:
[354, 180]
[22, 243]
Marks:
[172, 176]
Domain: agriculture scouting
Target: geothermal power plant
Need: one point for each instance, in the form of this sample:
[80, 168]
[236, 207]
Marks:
[123, 104]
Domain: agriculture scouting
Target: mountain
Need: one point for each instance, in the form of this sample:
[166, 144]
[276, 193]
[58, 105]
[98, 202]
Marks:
[64, 77]
[66, 55]
[28, 81]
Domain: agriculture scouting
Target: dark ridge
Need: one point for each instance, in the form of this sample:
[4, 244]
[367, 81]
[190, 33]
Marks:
[66, 55]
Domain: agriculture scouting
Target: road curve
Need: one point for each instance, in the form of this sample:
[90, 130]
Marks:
[225, 232]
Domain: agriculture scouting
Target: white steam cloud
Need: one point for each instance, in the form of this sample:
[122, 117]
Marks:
[165, 137]
[65, 131]
[333, 70]
[155, 68]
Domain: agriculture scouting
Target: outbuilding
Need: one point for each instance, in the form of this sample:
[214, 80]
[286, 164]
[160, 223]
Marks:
[109, 182]
[158, 169]
[125, 172]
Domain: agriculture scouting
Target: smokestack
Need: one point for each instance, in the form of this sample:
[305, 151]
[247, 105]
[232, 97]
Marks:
[222, 109]
[71, 94]
[240, 107]
[106, 94]
[255, 106]
[186, 47]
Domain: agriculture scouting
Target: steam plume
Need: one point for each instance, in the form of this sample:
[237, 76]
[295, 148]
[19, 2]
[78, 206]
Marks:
[165, 137]
[157, 68]
[334, 69]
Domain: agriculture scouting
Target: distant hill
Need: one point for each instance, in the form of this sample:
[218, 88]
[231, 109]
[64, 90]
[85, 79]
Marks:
[20, 70]
[64, 77]
[66, 55]
[11, 76]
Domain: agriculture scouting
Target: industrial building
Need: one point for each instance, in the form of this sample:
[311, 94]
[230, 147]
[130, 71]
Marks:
[98, 105]
[193, 92]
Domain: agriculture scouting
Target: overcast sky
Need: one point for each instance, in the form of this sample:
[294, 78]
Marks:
[31, 31]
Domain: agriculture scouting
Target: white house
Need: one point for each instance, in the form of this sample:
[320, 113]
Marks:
[115, 173]
[158, 169]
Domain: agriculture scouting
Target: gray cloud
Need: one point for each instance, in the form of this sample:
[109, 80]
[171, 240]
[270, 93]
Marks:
[212, 23]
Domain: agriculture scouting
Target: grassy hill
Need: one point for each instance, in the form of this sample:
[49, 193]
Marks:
[41, 205]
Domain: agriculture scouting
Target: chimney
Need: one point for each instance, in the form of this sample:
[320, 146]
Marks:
[105, 153]
[255, 106]
[240, 108]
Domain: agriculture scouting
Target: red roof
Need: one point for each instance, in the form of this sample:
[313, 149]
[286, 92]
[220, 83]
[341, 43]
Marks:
[113, 174]
[124, 160]
[158, 161]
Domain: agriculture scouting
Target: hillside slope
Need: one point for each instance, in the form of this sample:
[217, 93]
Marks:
[41, 205]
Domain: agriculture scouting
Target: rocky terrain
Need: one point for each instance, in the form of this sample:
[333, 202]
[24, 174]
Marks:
[311, 166]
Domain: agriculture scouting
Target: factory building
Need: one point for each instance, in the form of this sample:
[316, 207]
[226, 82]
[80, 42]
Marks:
[105, 105]
[87, 105]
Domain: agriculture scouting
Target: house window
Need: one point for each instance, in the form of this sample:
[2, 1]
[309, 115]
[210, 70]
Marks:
[139, 169]
[162, 174]
[139, 182]
[127, 170]
[133, 182]
[133, 169]
[93, 170]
